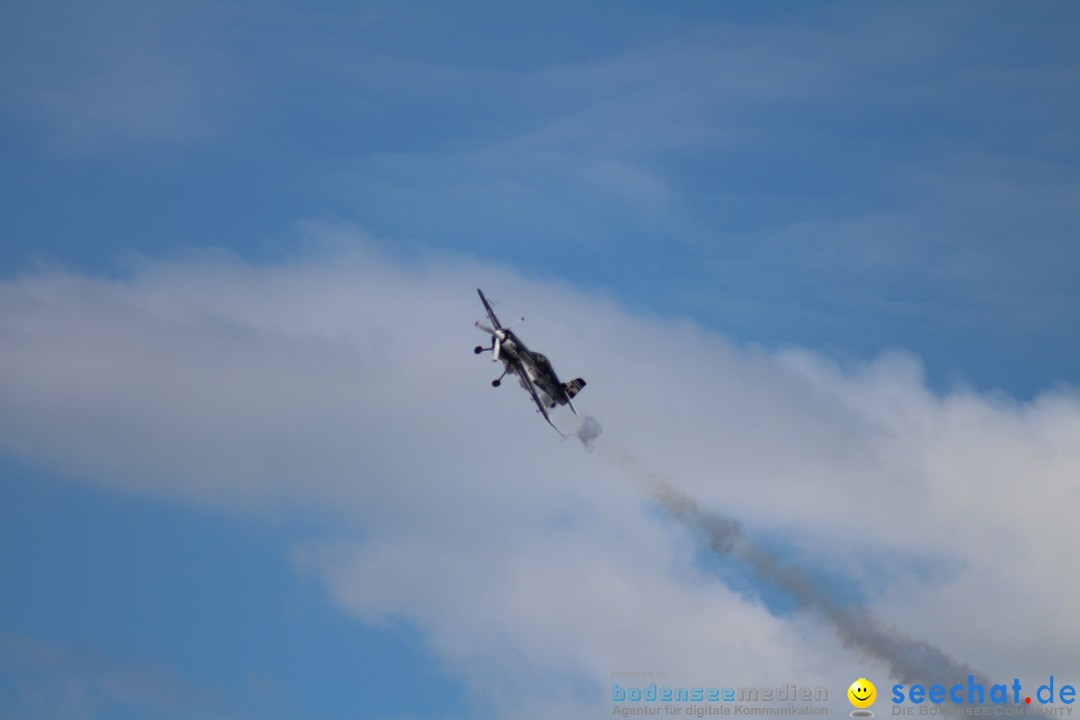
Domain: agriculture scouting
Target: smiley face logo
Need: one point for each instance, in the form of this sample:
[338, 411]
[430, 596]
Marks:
[862, 693]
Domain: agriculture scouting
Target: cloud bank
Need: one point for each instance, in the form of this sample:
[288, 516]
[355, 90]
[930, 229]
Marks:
[342, 384]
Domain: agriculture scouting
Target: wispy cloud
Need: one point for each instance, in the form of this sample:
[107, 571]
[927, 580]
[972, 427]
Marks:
[844, 175]
[116, 77]
[42, 679]
[847, 170]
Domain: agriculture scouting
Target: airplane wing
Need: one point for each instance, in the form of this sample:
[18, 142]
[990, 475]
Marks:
[490, 312]
[527, 381]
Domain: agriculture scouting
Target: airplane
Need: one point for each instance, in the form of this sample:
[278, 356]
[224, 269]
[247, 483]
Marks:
[534, 370]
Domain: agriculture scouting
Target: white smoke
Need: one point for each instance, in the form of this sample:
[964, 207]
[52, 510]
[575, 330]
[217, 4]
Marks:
[909, 660]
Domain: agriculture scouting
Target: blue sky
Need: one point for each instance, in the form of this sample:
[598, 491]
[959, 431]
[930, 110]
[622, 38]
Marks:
[801, 244]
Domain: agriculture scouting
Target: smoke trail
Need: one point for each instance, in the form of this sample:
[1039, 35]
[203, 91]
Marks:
[588, 432]
[909, 660]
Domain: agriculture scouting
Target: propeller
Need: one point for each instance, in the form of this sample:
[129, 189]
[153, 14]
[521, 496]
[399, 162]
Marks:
[497, 337]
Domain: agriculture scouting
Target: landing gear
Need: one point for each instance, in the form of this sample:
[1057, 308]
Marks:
[498, 381]
[477, 350]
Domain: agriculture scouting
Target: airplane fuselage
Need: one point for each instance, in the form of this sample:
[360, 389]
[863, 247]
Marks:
[514, 351]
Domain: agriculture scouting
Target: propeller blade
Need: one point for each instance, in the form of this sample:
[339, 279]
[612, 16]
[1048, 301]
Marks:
[496, 349]
[485, 328]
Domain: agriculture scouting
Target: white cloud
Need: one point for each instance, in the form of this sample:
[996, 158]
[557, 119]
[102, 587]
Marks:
[345, 383]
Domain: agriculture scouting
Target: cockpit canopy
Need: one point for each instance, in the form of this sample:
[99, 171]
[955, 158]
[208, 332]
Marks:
[542, 363]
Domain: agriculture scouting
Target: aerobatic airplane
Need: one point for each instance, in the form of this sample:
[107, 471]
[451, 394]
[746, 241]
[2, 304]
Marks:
[534, 371]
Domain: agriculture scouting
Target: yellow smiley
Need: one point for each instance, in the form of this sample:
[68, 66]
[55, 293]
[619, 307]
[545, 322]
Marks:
[862, 693]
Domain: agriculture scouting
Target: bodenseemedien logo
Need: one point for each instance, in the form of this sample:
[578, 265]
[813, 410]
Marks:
[700, 701]
[862, 694]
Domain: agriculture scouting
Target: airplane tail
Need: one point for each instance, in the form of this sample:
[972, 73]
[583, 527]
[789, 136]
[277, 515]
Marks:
[573, 387]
